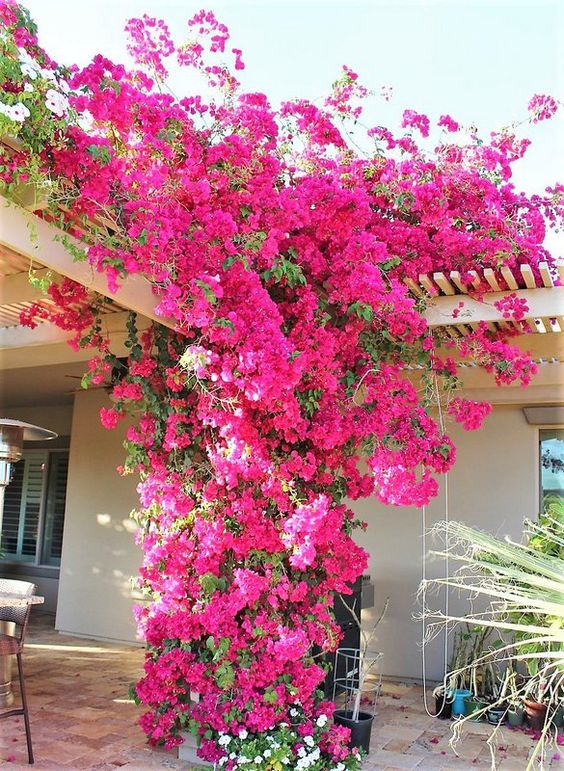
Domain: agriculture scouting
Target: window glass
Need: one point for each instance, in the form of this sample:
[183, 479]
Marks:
[552, 468]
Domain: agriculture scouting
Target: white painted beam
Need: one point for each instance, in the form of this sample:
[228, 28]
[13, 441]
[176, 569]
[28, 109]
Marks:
[542, 302]
[47, 344]
[35, 238]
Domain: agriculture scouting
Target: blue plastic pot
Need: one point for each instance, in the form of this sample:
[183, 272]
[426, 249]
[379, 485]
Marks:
[458, 703]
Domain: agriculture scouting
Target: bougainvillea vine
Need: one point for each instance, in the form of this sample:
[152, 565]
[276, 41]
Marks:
[300, 372]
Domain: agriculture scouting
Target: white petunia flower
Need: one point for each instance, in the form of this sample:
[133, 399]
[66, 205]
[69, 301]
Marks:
[49, 75]
[309, 741]
[243, 733]
[56, 102]
[321, 721]
[16, 112]
[28, 88]
[28, 71]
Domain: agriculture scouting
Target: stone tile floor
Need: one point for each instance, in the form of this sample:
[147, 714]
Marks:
[82, 717]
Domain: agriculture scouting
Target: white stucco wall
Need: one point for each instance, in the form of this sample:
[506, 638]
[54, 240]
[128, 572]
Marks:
[494, 486]
[99, 554]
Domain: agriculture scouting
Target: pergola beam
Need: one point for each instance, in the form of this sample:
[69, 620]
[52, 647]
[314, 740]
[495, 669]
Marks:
[47, 344]
[35, 238]
[445, 311]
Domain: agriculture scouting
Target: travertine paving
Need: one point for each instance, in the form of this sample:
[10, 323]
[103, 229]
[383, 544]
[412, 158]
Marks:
[82, 718]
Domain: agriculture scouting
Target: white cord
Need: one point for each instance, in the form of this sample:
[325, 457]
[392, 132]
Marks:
[424, 579]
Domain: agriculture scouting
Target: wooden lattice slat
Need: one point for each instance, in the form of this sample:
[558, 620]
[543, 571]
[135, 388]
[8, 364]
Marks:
[444, 284]
[528, 276]
[507, 274]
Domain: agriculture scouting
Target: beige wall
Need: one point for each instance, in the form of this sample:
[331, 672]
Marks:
[57, 418]
[99, 553]
[494, 486]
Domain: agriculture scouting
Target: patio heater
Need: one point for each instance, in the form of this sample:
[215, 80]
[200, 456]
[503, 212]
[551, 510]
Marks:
[13, 433]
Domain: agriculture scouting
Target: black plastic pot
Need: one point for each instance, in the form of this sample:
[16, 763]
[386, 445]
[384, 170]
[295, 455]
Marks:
[443, 707]
[360, 729]
[496, 716]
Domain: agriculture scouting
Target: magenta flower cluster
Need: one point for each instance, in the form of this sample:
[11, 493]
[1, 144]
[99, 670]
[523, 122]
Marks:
[300, 372]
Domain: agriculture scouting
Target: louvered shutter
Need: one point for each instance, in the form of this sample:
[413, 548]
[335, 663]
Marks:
[22, 507]
[55, 512]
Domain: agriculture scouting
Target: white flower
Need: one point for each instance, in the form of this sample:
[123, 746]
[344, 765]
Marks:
[309, 741]
[20, 112]
[28, 71]
[267, 753]
[224, 740]
[302, 752]
[243, 733]
[56, 102]
[294, 712]
[16, 112]
[257, 760]
[223, 761]
[48, 75]
[243, 760]
[29, 88]
[232, 756]
[321, 721]
[64, 86]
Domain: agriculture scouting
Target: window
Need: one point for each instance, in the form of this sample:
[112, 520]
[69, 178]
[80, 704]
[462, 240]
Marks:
[551, 467]
[34, 508]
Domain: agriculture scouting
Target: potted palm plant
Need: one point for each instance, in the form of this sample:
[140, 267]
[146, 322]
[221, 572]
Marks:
[523, 586]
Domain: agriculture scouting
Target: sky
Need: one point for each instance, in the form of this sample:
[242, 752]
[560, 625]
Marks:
[477, 60]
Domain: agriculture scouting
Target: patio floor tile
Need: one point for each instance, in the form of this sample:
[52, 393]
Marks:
[82, 718]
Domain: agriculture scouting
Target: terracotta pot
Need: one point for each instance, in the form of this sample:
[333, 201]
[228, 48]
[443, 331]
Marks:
[536, 714]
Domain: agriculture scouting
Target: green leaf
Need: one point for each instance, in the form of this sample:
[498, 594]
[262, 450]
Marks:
[224, 675]
[100, 153]
[270, 697]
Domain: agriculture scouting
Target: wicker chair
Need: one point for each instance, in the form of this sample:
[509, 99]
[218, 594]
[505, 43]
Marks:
[12, 645]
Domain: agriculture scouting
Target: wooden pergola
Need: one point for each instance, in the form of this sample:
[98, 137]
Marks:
[29, 242]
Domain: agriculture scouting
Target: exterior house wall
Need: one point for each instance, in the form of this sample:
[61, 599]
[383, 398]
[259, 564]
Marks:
[99, 554]
[493, 486]
[56, 418]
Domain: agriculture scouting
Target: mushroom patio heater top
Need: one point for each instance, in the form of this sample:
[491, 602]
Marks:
[12, 436]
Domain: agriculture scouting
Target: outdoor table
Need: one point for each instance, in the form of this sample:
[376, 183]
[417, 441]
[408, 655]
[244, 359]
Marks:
[9, 600]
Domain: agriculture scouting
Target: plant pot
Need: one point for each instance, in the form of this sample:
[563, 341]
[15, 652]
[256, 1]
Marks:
[536, 714]
[558, 717]
[360, 729]
[472, 705]
[443, 706]
[515, 716]
[496, 715]
[458, 704]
